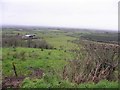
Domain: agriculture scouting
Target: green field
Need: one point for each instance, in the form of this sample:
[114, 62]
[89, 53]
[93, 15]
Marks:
[44, 68]
[34, 58]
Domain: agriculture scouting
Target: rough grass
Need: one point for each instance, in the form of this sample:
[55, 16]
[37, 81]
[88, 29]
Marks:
[101, 84]
[51, 61]
[34, 58]
[58, 39]
[54, 83]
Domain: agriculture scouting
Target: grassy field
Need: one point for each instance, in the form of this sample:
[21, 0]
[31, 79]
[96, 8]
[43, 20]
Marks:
[41, 67]
[34, 58]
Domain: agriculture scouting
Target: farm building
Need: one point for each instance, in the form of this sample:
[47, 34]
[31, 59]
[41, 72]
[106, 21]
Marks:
[28, 36]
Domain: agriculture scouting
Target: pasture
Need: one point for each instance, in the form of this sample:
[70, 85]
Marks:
[56, 59]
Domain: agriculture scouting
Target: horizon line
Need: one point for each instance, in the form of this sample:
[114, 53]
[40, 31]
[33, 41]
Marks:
[65, 27]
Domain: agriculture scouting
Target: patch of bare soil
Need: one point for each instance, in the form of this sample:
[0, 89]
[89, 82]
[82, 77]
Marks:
[12, 82]
[37, 73]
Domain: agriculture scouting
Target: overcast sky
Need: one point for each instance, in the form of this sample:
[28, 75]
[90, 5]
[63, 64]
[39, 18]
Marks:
[99, 14]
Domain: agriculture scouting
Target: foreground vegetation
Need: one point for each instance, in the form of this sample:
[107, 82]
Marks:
[55, 83]
[58, 59]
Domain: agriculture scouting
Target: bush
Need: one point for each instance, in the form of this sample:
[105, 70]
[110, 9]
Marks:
[93, 62]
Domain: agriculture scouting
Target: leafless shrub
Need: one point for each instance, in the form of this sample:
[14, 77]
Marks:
[100, 62]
